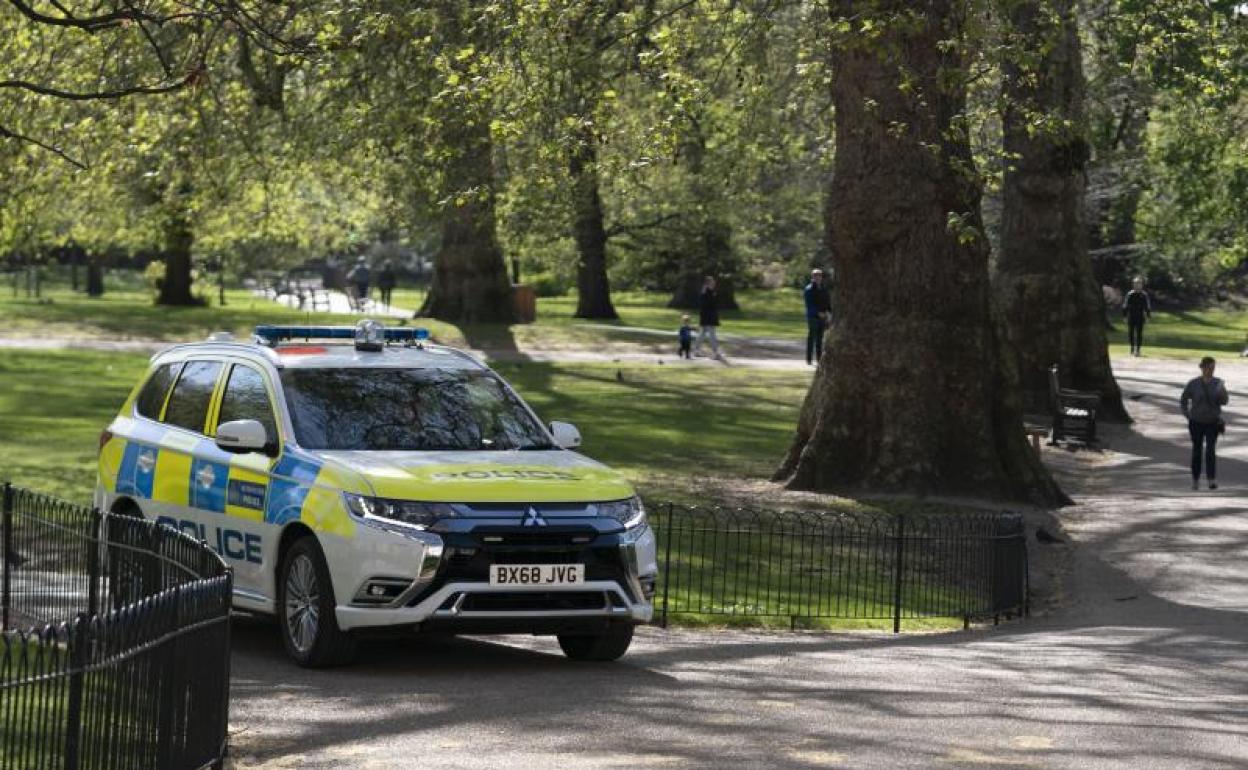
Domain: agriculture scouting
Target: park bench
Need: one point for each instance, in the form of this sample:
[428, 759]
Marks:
[309, 290]
[1074, 411]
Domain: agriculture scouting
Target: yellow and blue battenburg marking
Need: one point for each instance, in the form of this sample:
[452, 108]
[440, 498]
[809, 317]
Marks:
[292, 477]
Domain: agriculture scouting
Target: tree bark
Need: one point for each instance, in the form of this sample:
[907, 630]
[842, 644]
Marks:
[592, 284]
[176, 288]
[912, 393]
[470, 283]
[1051, 300]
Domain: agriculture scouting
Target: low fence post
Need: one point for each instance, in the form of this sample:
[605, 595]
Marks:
[93, 563]
[900, 556]
[6, 590]
[667, 560]
[79, 646]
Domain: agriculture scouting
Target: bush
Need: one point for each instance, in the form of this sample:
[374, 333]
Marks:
[549, 284]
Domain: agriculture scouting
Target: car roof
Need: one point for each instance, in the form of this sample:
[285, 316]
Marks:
[316, 354]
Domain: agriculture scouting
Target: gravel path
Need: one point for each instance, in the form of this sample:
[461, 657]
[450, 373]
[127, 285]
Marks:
[1145, 665]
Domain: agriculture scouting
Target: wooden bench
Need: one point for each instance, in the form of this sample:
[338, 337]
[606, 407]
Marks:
[1074, 411]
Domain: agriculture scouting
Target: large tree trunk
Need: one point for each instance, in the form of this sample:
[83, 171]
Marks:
[470, 282]
[1051, 299]
[593, 287]
[912, 393]
[175, 288]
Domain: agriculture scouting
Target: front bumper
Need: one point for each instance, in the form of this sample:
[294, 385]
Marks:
[451, 589]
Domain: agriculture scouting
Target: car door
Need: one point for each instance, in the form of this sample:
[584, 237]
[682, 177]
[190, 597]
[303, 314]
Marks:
[247, 394]
[185, 486]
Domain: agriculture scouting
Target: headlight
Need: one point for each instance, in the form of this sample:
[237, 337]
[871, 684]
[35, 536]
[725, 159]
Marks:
[630, 513]
[406, 512]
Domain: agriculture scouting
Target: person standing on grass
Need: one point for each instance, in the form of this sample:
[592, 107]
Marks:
[708, 315]
[818, 313]
[1202, 403]
[385, 282]
[1136, 308]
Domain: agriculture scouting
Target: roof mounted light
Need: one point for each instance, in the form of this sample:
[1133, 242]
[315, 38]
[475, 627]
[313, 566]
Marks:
[370, 335]
[271, 335]
[221, 337]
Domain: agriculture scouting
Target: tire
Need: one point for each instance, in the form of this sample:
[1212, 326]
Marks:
[305, 609]
[607, 646]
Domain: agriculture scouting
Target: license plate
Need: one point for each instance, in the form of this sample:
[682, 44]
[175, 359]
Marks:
[537, 574]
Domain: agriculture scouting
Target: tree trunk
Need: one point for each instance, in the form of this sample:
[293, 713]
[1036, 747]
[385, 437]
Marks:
[176, 287]
[470, 283]
[1052, 302]
[592, 285]
[912, 393]
[95, 278]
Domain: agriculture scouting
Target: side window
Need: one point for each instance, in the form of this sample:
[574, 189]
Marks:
[188, 406]
[247, 398]
[152, 398]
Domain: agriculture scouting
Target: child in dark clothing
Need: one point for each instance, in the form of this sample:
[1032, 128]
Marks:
[686, 338]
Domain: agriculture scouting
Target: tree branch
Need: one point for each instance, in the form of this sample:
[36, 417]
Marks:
[77, 96]
[88, 23]
[7, 134]
[615, 230]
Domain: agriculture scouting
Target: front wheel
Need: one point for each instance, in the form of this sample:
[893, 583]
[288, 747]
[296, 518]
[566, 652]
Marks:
[609, 645]
[306, 604]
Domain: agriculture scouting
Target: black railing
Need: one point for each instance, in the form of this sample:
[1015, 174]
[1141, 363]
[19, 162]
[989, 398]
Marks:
[115, 644]
[804, 566]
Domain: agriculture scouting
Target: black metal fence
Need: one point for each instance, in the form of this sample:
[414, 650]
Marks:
[115, 647]
[804, 566]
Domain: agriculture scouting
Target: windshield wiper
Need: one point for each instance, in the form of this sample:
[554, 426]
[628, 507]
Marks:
[535, 447]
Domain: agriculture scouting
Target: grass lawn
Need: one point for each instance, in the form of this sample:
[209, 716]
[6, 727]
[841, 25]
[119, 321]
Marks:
[1188, 334]
[773, 313]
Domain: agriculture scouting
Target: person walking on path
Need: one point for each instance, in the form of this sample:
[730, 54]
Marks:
[1202, 403]
[359, 278]
[818, 313]
[385, 283]
[1136, 308]
[686, 338]
[708, 315]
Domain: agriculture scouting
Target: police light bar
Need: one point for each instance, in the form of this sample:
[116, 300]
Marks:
[271, 335]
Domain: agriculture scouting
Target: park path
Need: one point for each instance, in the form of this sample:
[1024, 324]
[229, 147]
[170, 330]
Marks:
[1144, 665]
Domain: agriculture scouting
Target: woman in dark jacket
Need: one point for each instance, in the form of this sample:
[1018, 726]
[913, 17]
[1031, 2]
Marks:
[708, 315]
[1202, 403]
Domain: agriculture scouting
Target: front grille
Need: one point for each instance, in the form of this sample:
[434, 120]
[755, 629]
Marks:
[534, 601]
[469, 555]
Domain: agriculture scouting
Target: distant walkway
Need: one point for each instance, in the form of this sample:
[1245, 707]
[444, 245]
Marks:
[339, 303]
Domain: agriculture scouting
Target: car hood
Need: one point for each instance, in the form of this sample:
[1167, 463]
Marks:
[555, 476]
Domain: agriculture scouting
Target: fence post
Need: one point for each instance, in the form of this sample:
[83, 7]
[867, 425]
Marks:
[901, 554]
[93, 564]
[166, 660]
[667, 560]
[79, 646]
[6, 590]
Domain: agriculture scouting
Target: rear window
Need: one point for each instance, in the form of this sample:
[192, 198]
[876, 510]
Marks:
[152, 398]
[188, 406]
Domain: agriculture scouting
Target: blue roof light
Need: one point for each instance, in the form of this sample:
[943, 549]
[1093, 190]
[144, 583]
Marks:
[275, 334]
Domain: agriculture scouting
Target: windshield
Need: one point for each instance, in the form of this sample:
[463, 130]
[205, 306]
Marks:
[407, 409]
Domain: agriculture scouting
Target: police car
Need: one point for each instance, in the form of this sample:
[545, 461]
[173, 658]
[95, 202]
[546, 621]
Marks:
[360, 479]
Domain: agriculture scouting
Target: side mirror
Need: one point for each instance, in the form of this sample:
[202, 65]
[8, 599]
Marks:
[242, 436]
[566, 435]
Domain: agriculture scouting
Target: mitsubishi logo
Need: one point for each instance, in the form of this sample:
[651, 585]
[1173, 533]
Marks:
[532, 518]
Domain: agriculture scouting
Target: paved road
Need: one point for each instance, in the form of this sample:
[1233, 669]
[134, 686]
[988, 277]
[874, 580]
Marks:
[1147, 667]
